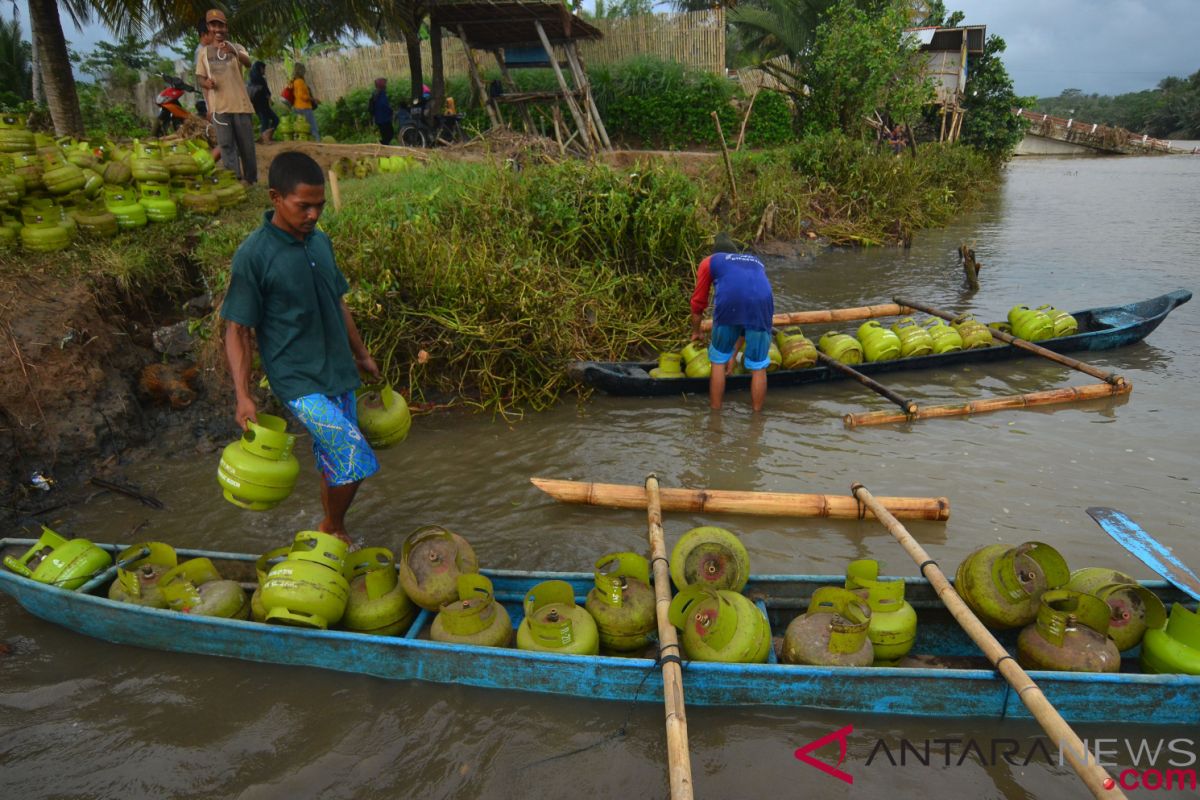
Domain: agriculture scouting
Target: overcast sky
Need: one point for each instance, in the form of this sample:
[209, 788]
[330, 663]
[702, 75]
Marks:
[1101, 46]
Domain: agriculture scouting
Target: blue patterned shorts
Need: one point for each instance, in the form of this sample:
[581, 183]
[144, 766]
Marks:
[342, 453]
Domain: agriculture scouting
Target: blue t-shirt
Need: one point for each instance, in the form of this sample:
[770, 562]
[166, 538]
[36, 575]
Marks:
[743, 293]
[380, 107]
[290, 291]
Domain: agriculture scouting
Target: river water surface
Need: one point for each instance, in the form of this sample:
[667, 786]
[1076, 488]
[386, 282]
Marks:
[80, 718]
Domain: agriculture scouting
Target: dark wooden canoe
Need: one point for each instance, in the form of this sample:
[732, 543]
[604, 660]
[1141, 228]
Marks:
[945, 676]
[1099, 329]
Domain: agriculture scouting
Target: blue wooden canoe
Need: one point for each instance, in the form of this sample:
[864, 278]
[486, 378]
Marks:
[1099, 329]
[950, 678]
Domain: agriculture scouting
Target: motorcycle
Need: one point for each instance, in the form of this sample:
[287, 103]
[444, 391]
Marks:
[171, 112]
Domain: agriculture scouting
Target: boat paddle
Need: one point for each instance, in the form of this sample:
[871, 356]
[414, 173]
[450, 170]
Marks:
[1094, 776]
[1152, 553]
[679, 760]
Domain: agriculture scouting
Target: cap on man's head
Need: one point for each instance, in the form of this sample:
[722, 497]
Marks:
[214, 14]
[723, 243]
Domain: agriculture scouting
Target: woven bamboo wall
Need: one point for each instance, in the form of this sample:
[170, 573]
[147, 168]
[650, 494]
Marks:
[696, 40]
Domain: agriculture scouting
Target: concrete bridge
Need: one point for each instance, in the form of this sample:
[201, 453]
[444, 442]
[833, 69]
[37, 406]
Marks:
[1056, 136]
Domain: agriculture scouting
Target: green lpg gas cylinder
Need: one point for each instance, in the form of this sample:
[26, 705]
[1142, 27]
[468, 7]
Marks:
[797, 350]
[974, 334]
[945, 338]
[155, 197]
[1134, 608]
[308, 588]
[841, 347]
[1174, 649]
[893, 626]
[878, 343]
[1002, 584]
[195, 587]
[58, 562]
[262, 566]
[720, 625]
[622, 602]
[1030, 324]
[1064, 324]
[146, 163]
[138, 578]
[431, 559]
[554, 624]
[710, 556]
[121, 201]
[914, 340]
[43, 231]
[259, 471]
[696, 362]
[474, 618]
[377, 603]
[1070, 634]
[832, 633]
[383, 415]
[670, 365]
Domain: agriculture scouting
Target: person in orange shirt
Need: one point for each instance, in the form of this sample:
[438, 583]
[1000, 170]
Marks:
[303, 102]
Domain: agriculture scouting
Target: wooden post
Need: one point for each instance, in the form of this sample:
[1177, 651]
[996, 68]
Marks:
[335, 191]
[718, 501]
[745, 119]
[568, 95]
[1094, 776]
[679, 761]
[477, 80]
[725, 154]
[1066, 361]
[437, 66]
[1050, 397]
[823, 316]
[587, 86]
[909, 407]
[556, 115]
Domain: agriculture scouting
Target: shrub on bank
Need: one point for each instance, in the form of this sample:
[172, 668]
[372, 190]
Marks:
[643, 102]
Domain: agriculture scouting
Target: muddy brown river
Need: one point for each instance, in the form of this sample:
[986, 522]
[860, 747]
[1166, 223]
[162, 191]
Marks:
[80, 718]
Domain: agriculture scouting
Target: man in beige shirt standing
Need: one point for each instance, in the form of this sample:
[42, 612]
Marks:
[219, 71]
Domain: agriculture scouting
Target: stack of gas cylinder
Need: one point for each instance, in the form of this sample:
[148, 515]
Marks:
[51, 191]
[1077, 621]
[1037, 324]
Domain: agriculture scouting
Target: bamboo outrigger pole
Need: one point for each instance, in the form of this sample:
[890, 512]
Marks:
[908, 406]
[828, 315]
[1069, 394]
[678, 759]
[715, 501]
[1097, 779]
[1066, 361]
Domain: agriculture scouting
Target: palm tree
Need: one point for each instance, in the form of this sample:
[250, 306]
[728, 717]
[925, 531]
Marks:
[15, 53]
[778, 34]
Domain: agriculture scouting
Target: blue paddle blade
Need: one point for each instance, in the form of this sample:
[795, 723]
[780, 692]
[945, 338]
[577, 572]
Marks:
[1152, 553]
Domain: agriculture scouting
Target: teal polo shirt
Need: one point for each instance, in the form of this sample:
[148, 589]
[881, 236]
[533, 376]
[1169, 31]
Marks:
[290, 292]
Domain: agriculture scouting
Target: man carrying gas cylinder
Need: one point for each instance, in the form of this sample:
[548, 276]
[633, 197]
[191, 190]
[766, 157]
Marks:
[742, 309]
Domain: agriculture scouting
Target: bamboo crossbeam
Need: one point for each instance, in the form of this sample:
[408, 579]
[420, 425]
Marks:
[720, 501]
[828, 315]
[1029, 347]
[1094, 776]
[679, 761]
[909, 406]
[1050, 397]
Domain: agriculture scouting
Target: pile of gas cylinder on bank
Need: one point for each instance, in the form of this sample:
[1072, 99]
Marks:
[907, 338]
[1074, 621]
[52, 191]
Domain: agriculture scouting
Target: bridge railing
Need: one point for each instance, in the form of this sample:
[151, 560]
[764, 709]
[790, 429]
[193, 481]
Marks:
[1102, 137]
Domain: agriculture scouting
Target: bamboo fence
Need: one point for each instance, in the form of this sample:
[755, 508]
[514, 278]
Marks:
[695, 39]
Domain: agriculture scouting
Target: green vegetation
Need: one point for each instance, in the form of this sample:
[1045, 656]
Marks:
[645, 102]
[505, 275]
[989, 124]
[1171, 111]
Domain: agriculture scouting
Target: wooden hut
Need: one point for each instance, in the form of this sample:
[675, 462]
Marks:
[521, 33]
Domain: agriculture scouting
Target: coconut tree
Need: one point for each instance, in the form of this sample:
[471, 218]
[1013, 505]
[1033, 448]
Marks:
[778, 35]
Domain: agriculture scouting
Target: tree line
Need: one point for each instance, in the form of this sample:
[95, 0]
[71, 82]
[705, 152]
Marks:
[1169, 111]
